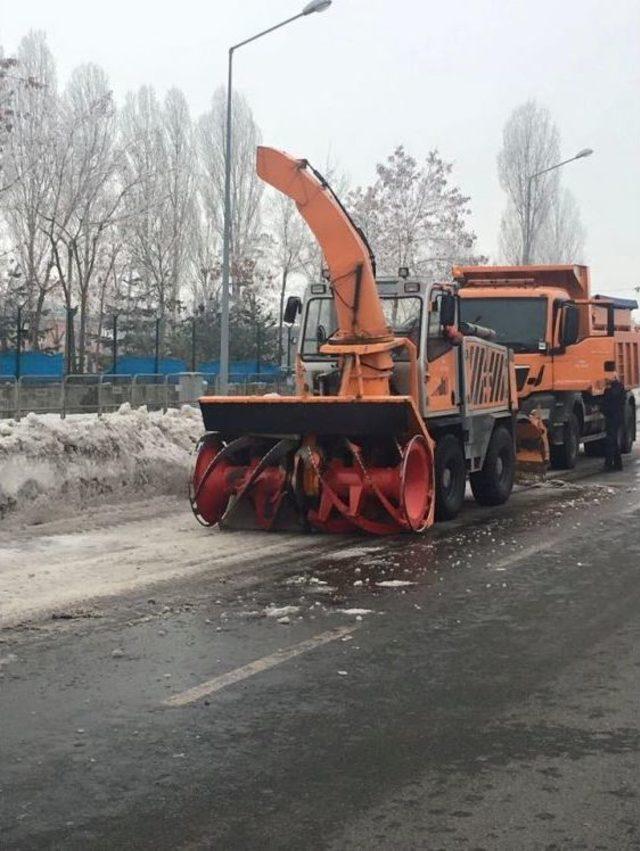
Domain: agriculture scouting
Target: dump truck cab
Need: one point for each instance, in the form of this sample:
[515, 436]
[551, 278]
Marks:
[565, 343]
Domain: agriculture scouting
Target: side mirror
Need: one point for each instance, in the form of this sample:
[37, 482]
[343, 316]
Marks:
[570, 325]
[448, 309]
[292, 309]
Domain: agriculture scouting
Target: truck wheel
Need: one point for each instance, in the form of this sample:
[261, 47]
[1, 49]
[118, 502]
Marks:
[492, 485]
[451, 477]
[628, 436]
[564, 457]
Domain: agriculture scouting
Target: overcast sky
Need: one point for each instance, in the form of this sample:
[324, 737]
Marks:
[366, 75]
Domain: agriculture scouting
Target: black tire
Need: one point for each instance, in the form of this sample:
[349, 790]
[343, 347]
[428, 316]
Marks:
[565, 456]
[492, 485]
[629, 433]
[451, 477]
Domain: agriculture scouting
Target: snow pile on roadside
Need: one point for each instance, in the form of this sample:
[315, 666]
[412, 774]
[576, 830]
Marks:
[49, 466]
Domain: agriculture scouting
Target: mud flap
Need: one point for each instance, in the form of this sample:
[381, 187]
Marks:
[532, 446]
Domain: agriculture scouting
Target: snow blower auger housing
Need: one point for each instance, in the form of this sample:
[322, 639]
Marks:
[395, 405]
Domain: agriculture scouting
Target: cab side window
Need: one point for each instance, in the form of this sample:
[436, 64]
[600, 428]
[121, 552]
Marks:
[319, 324]
[437, 343]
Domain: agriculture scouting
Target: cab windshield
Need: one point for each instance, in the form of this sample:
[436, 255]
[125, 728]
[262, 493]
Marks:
[403, 314]
[520, 323]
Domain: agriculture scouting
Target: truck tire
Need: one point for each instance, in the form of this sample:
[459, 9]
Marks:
[492, 485]
[565, 456]
[629, 433]
[451, 477]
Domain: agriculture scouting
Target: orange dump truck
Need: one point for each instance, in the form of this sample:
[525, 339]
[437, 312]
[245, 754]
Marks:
[566, 344]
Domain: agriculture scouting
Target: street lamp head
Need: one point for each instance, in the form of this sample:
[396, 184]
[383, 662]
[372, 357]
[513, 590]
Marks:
[316, 6]
[585, 152]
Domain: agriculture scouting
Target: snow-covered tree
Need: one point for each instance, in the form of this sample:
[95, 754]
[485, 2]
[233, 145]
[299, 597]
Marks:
[246, 187]
[159, 164]
[562, 235]
[292, 247]
[86, 197]
[412, 216]
[541, 222]
[29, 150]
[10, 82]
[530, 143]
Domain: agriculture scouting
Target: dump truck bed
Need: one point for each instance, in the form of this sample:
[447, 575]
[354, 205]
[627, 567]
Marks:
[571, 278]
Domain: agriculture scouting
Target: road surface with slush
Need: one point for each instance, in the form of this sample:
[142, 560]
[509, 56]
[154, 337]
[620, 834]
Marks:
[164, 686]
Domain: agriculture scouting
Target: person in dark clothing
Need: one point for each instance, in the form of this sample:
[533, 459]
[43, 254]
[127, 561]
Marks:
[613, 402]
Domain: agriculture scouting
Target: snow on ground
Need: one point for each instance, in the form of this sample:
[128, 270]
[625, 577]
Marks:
[50, 466]
[147, 548]
[273, 611]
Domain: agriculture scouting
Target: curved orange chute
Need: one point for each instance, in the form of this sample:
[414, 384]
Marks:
[358, 307]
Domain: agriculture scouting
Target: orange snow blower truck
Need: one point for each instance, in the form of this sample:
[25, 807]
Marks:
[566, 345]
[394, 406]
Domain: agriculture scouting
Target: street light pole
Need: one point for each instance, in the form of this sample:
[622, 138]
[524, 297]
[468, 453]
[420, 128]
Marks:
[193, 343]
[114, 351]
[526, 243]
[156, 359]
[313, 6]
[226, 245]
[18, 342]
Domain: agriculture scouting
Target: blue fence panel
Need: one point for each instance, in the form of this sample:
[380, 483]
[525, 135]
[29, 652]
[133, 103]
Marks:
[134, 365]
[41, 364]
[32, 363]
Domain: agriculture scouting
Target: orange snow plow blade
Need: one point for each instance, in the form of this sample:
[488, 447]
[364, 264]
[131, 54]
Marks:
[532, 445]
[336, 464]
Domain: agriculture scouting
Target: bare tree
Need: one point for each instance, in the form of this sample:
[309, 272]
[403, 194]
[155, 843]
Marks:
[14, 81]
[29, 152]
[180, 143]
[531, 143]
[562, 236]
[93, 201]
[206, 267]
[413, 217]
[86, 197]
[12, 293]
[105, 291]
[159, 164]
[246, 188]
[10, 83]
[291, 244]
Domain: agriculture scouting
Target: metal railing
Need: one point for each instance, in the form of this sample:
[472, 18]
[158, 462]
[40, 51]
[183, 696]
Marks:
[8, 396]
[99, 394]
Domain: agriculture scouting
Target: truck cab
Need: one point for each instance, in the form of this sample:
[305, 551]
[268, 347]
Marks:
[427, 314]
[565, 346]
[413, 310]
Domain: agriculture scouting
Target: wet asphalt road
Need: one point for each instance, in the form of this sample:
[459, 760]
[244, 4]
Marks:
[491, 704]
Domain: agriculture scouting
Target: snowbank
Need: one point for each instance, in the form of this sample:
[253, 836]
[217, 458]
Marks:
[49, 466]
